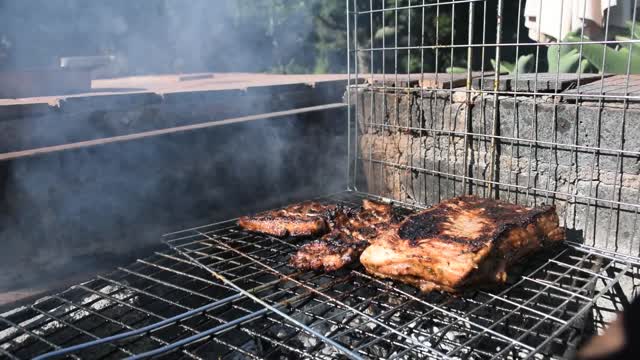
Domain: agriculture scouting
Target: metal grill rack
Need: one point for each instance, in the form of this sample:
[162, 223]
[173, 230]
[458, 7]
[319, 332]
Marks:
[415, 137]
[540, 314]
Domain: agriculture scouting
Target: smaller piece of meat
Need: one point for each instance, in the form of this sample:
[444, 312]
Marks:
[332, 252]
[350, 233]
[305, 219]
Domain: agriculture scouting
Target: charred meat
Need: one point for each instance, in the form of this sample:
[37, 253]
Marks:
[460, 243]
[305, 219]
[351, 231]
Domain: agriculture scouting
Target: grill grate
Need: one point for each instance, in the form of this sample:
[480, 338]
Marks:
[545, 306]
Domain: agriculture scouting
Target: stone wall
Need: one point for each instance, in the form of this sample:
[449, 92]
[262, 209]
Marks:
[412, 148]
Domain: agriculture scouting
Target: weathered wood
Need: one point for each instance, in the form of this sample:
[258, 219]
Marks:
[424, 80]
[29, 83]
[540, 82]
[613, 88]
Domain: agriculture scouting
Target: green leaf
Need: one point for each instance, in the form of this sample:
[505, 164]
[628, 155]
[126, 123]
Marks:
[553, 58]
[504, 66]
[585, 66]
[456, 70]
[635, 29]
[635, 47]
[615, 61]
[524, 64]
[567, 63]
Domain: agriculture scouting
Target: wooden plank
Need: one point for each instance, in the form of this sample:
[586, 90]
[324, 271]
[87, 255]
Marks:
[29, 83]
[614, 88]
[424, 80]
[540, 82]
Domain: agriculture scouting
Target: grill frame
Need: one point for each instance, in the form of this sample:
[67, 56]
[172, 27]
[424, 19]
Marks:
[364, 312]
[373, 311]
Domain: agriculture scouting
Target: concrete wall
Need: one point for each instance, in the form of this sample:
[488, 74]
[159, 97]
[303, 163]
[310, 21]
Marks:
[60, 209]
[417, 145]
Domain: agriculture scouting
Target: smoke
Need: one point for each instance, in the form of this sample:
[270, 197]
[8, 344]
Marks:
[57, 210]
[157, 36]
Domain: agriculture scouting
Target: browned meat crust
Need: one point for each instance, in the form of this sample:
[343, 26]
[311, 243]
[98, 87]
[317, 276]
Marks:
[461, 242]
[305, 219]
[350, 233]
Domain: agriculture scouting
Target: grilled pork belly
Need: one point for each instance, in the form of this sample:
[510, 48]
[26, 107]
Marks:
[351, 231]
[460, 243]
[305, 219]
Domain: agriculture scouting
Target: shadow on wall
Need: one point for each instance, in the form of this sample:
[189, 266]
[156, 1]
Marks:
[118, 198]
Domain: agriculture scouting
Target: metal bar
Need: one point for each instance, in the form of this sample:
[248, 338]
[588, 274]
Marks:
[313, 290]
[9, 355]
[504, 44]
[290, 300]
[545, 316]
[350, 118]
[143, 330]
[581, 311]
[68, 324]
[418, 6]
[356, 147]
[515, 111]
[34, 335]
[448, 313]
[371, 94]
[310, 289]
[495, 126]
[102, 296]
[482, 94]
[524, 94]
[216, 330]
[435, 197]
[210, 332]
[174, 130]
[557, 193]
[468, 121]
[500, 296]
[305, 328]
[513, 139]
[450, 146]
[246, 330]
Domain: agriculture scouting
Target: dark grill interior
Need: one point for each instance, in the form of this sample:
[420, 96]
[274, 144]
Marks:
[542, 312]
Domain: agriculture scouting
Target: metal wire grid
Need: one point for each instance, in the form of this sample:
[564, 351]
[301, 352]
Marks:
[469, 146]
[540, 314]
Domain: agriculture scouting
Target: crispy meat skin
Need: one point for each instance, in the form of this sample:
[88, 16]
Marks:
[350, 233]
[460, 243]
[305, 219]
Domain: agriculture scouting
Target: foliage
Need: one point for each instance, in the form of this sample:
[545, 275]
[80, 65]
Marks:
[524, 64]
[607, 59]
[586, 58]
[408, 31]
[455, 70]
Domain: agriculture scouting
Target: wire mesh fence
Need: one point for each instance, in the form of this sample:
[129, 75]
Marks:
[455, 97]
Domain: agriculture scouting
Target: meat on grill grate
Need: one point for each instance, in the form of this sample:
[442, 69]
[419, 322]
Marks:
[305, 219]
[461, 242]
[351, 231]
